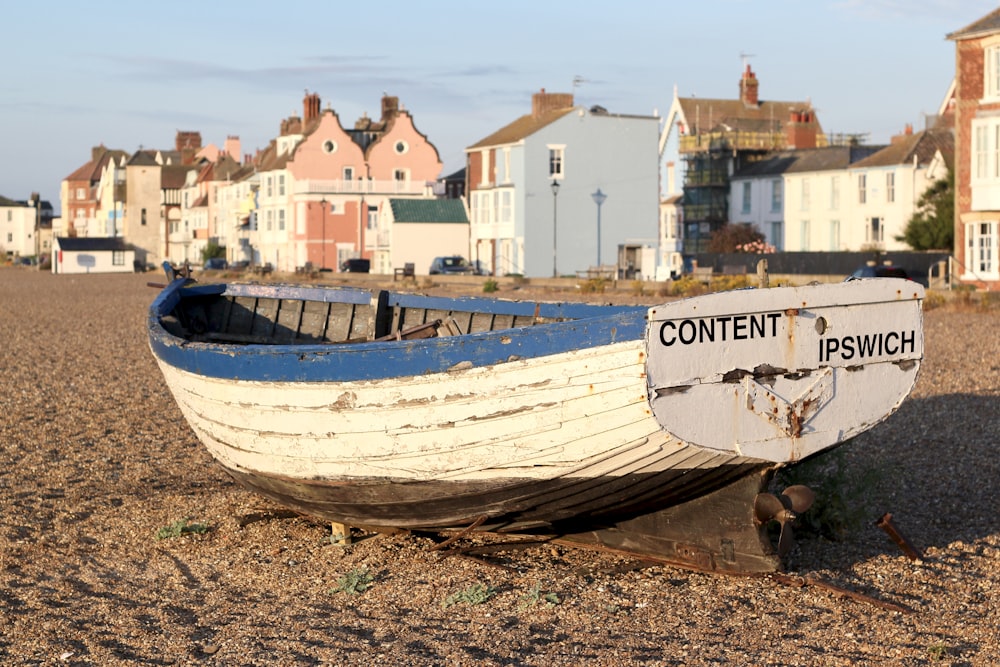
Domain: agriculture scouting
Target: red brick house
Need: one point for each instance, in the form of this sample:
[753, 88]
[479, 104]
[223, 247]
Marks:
[977, 152]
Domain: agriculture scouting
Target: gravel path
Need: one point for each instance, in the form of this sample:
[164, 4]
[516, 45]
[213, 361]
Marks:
[95, 460]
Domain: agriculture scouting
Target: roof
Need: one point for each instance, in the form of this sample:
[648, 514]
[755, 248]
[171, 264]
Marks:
[986, 25]
[523, 127]
[93, 244]
[830, 158]
[9, 202]
[703, 114]
[428, 210]
[923, 146]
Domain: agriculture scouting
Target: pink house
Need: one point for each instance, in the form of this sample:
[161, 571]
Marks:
[321, 186]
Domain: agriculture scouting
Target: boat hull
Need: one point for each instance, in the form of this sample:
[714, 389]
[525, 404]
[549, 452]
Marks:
[560, 438]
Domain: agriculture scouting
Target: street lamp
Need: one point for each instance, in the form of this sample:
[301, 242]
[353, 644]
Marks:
[599, 198]
[555, 191]
[322, 202]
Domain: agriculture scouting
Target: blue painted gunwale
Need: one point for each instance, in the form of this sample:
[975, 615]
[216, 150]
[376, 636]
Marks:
[596, 326]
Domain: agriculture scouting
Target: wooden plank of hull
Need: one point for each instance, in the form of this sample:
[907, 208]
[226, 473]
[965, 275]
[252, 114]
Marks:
[566, 504]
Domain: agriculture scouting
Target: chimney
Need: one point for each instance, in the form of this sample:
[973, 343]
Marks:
[187, 144]
[800, 132]
[232, 147]
[748, 88]
[310, 106]
[907, 133]
[390, 107]
[543, 102]
[97, 152]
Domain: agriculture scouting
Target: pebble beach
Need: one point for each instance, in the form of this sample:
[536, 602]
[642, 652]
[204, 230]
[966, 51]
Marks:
[123, 543]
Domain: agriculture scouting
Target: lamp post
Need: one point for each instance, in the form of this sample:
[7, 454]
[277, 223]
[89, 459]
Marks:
[322, 203]
[555, 192]
[599, 198]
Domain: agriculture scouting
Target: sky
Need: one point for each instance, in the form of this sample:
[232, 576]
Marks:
[130, 75]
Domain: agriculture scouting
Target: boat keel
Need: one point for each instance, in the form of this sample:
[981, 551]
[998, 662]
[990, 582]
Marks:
[716, 532]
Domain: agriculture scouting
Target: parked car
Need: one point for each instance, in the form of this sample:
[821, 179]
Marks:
[216, 264]
[355, 265]
[879, 271]
[452, 265]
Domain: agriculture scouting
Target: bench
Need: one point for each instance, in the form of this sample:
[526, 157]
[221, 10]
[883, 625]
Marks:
[408, 271]
[702, 274]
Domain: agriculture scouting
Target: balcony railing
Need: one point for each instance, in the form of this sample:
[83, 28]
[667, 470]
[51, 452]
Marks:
[345, 187]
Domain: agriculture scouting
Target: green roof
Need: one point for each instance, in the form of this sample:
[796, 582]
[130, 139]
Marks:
[428, 210]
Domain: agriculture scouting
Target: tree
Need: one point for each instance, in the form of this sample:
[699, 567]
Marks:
[212, 249]
[738, 238]
[932, 226]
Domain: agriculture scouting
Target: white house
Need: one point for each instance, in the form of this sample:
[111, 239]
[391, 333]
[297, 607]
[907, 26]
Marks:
[92, 255]
[18, 221]
[885, 187]
[840, 197]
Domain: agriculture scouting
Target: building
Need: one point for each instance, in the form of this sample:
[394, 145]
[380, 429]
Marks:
[977, 152]
[718, 137]
[884, 188]
[532, 184]
[25, 227]
[82, 193]
[321, 186]
[797, 198]
[422, 229]
[92, 255]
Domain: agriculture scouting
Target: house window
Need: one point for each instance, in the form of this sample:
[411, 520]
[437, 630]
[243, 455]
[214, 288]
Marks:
[10, 216]
[281, 220]
[80, 193]
[834, 193]
[556, 159]
[372, 218]
[862, 189]
[835, 235]
[401, 147]
[874, 231]
[399, 175]
[142, 217]
[281, 185]
[506, 206]
[805, 203]
[270, 187]
[118, 257]
[746, 198]
[777, 235]
[981, 250]
[348, 174]
[996, 151]
[270, 220]
[776, 196]
[991, 72]
[329, 146]
[980, 151]
[804, 235]
[10, 237]
[890, 187]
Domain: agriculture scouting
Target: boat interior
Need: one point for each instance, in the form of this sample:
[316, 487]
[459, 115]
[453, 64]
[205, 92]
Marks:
[283, 315]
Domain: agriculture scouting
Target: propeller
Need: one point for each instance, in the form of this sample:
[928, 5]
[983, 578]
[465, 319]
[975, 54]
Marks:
[784, 509]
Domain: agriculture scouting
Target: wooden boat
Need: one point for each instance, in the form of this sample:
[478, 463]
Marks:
[653, 430]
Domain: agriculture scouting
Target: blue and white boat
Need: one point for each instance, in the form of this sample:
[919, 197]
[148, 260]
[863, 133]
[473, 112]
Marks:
[618, 425]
